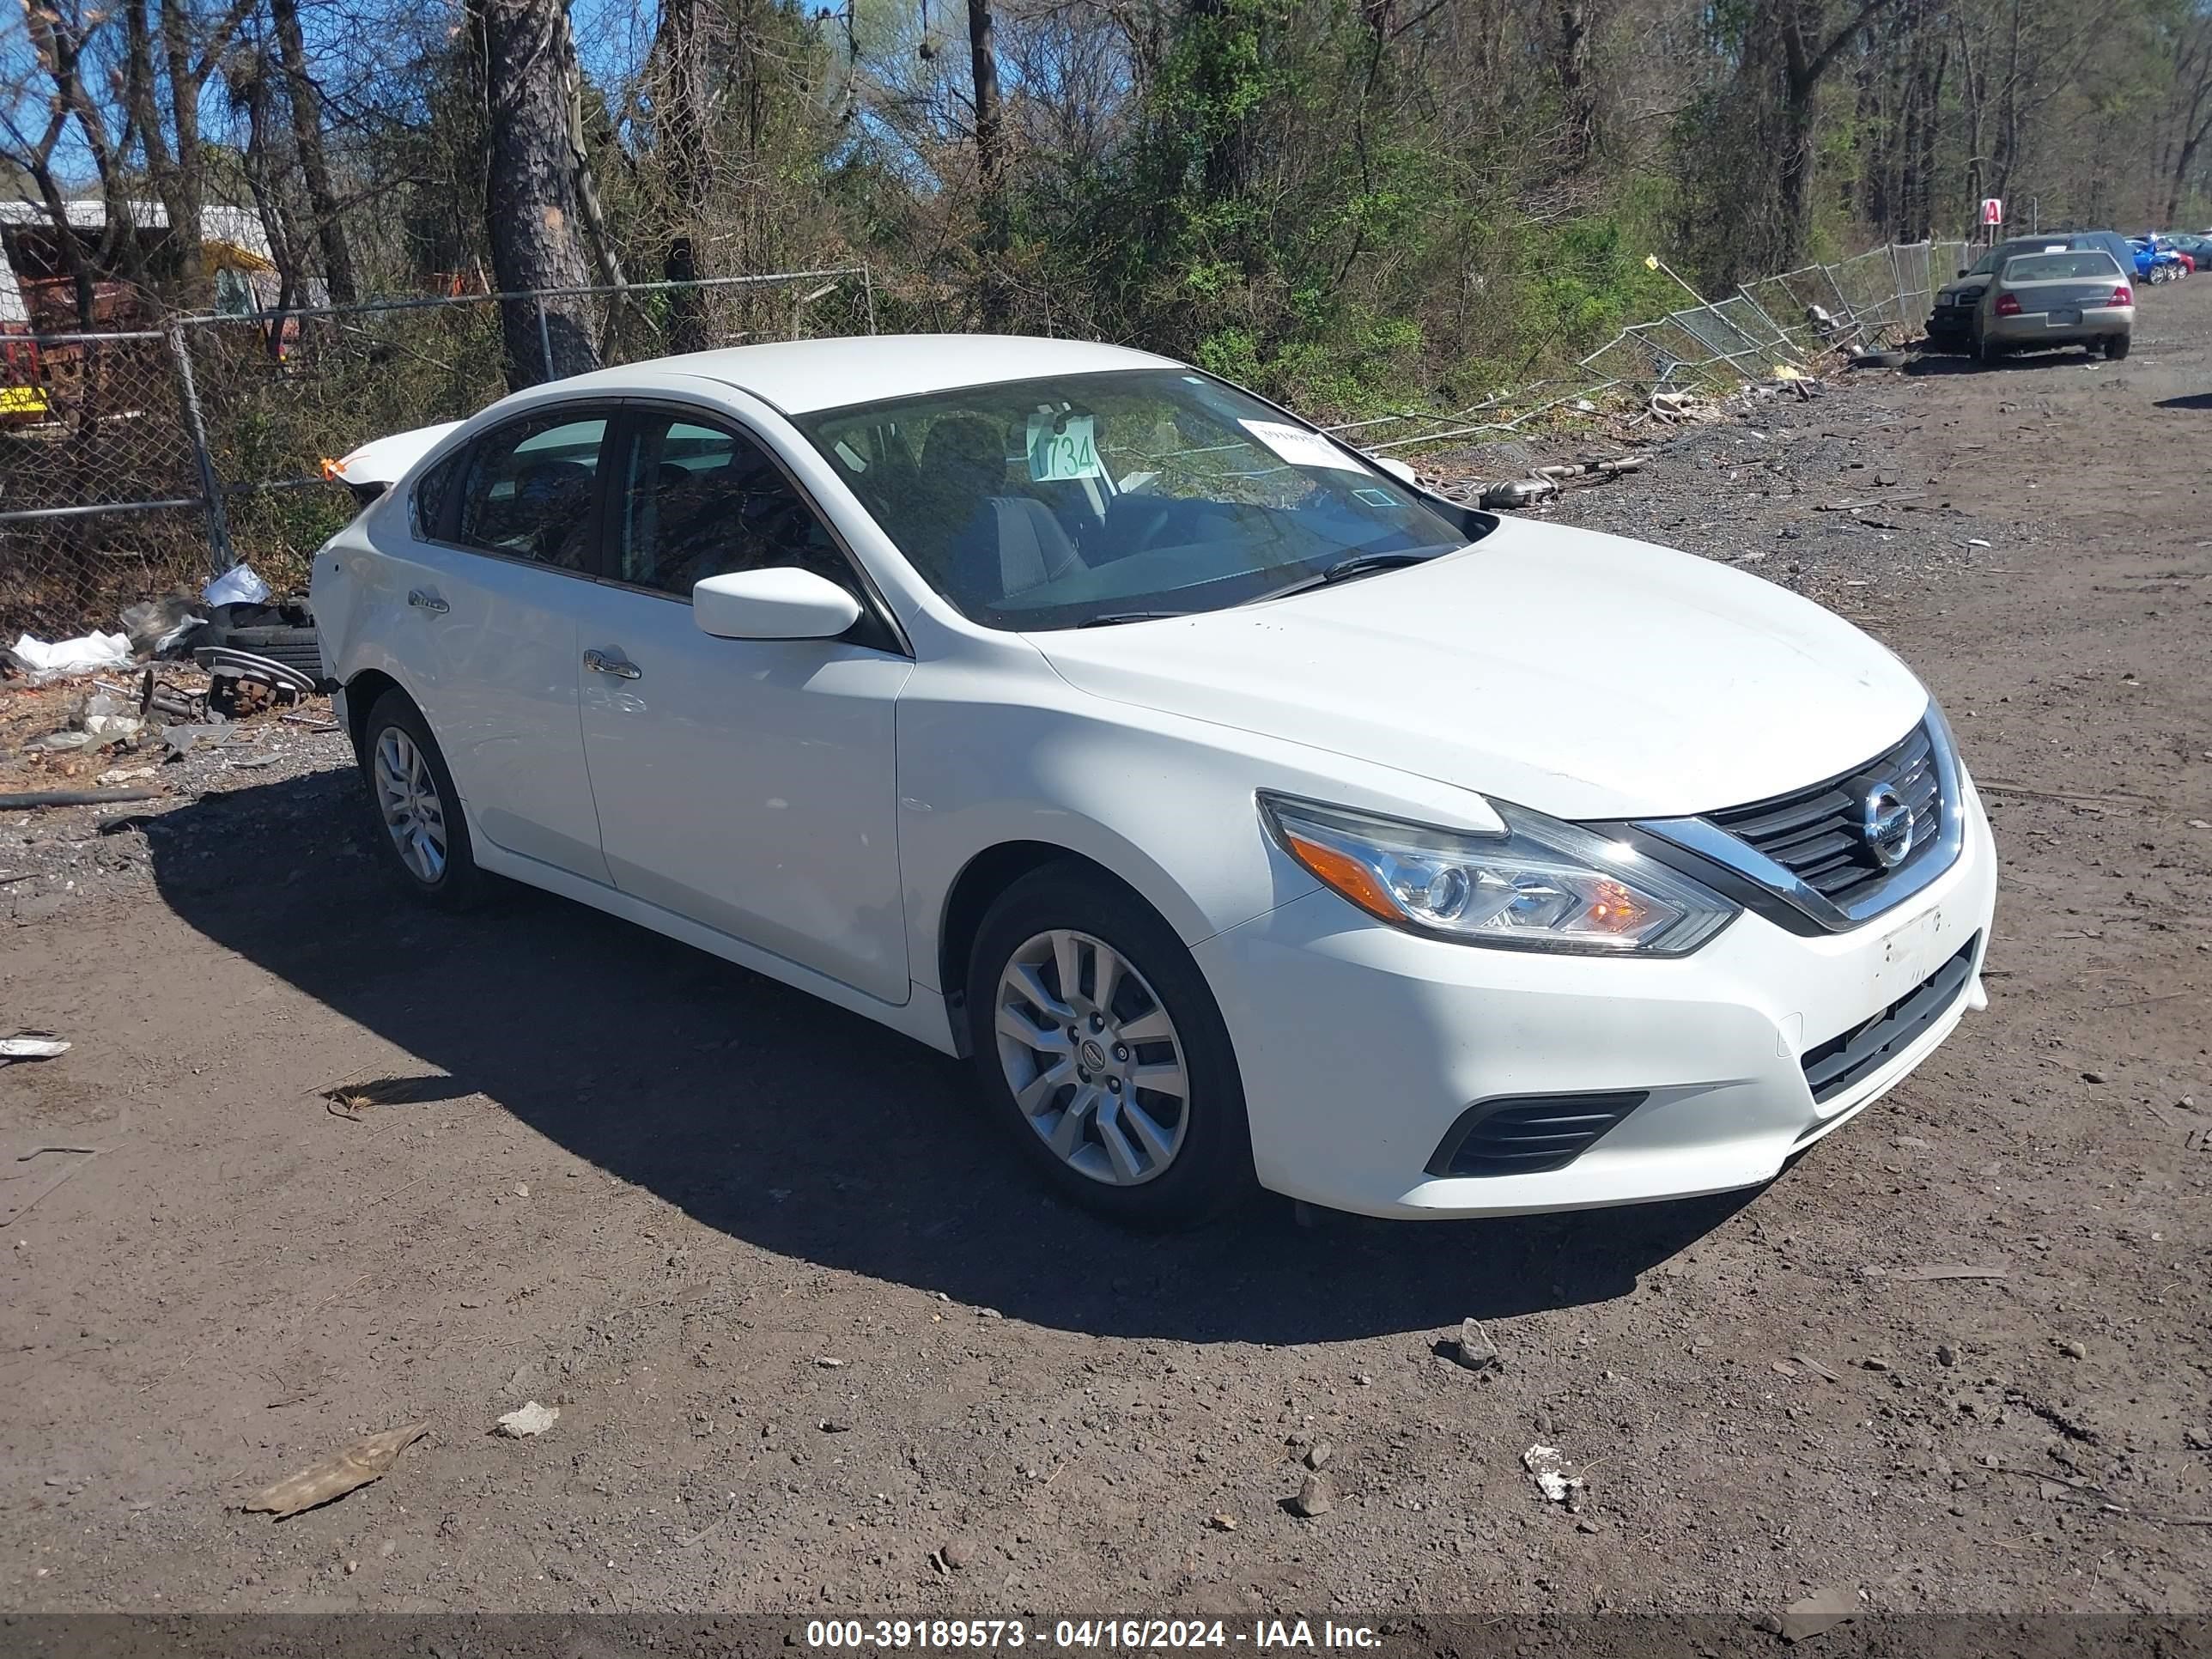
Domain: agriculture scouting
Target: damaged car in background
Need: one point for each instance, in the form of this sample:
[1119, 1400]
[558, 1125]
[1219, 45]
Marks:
[1247, 816]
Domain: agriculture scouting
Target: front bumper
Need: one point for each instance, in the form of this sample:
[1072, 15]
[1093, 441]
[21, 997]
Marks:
[1362, 1046]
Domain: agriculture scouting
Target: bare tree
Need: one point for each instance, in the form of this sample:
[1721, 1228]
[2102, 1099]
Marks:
[680, 109]
[306, 100]
[533, 208]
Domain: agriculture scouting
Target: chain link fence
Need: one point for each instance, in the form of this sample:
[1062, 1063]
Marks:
[139, 462]
[1875, 298]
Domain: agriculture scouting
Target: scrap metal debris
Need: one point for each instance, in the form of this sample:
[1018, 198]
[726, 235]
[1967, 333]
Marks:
[232, 672]
[30, 1047]
[356, 1466]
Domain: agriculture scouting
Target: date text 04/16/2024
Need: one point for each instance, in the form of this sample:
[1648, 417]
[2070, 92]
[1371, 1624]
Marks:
[1260, 1635]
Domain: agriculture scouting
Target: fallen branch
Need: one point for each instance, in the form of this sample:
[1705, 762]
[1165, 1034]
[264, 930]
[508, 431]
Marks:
[76, 798]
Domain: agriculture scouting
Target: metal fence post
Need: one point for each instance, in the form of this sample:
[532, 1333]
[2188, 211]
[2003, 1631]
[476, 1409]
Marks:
[544, 335]
[210, 487]
[868, 287]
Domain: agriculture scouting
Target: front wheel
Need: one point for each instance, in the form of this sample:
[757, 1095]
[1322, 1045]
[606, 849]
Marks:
[418, 812]
[2115, 346]
[1099, 1046]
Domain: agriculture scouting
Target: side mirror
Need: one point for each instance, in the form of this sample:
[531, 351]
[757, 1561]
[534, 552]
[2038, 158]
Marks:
[781, 603]
[1397, 469]
[1962, 270]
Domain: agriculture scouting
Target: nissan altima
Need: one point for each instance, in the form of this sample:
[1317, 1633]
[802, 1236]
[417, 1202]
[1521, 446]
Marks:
[1247, 816]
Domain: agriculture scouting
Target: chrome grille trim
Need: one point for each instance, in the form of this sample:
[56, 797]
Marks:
[1866, 900]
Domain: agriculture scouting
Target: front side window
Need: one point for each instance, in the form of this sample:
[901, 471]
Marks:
[1052, 503]
[698, 502]
[526, 490]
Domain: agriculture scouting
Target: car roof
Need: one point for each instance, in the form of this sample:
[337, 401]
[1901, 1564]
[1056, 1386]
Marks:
[802, 376]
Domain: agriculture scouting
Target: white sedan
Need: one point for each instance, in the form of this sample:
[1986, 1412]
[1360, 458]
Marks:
[1247, 815]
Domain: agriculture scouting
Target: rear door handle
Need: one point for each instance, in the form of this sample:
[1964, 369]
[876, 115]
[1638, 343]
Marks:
[620, 668]
[429, 602]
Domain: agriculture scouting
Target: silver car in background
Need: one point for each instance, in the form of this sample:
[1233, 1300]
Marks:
[2075, 296]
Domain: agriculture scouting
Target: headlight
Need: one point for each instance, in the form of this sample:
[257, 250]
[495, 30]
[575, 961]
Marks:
[1543, 885]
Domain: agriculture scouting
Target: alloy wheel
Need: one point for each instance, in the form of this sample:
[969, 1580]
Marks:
[407, 798]
[1093, 1057]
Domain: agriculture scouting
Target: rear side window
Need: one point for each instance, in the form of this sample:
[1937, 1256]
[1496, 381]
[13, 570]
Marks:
[2081, 264]
[429, 504]
[527, 490]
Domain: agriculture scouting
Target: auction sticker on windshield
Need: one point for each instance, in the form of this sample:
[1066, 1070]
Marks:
[1063, 449]
[1300, 448]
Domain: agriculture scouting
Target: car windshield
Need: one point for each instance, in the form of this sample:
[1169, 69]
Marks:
[2056, 267]
[1093, 498]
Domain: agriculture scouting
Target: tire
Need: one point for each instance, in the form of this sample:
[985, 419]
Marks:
[295, 648]
[2115, 346]
[401, 763]
[1987, 352]
[1192, 1159]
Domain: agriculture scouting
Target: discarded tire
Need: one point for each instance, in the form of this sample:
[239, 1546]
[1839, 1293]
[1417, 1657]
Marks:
[295, 648]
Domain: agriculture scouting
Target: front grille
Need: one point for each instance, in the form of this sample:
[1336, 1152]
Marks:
[1529, 1134]
[1815, 835]
[1834, 1065]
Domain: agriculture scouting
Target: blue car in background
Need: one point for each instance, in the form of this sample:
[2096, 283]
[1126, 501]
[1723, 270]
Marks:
[2155, 263]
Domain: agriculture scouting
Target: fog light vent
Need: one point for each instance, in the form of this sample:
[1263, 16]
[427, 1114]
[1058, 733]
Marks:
[1528, 1134]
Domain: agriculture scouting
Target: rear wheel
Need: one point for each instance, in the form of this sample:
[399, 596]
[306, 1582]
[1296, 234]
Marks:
[2115, 346]
[1099, 1046]
[420, 824]
[1986, 350]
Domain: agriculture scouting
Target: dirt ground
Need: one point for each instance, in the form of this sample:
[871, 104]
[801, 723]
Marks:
[818, 1344]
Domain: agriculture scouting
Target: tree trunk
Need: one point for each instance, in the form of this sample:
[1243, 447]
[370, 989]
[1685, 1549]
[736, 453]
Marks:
[1572, 56]
[681, 146]
[306, 102]
[252, 86]
[580, 160]
[990, 165]
[183, 194]
[532, 197]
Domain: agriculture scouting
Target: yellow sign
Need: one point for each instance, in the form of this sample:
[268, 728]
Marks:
[22, 400]
[1651, 262]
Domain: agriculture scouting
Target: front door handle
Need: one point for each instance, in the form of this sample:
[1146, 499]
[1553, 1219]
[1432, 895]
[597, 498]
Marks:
[620, 668]
[429, 602]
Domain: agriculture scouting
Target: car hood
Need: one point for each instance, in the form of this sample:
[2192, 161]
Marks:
[1582, 675]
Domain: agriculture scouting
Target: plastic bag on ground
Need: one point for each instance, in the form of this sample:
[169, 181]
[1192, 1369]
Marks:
[59, 660]
[236, 586]
[159, 625]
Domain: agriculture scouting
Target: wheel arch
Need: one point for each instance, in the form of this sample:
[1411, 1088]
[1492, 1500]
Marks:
[991, 872]
[362, 692]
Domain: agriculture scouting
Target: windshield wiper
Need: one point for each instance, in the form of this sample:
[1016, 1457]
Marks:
[1359, 564]
[1111, 618]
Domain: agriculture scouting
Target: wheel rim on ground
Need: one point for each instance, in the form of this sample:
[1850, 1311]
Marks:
[1092, 1057]
[407, 797]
